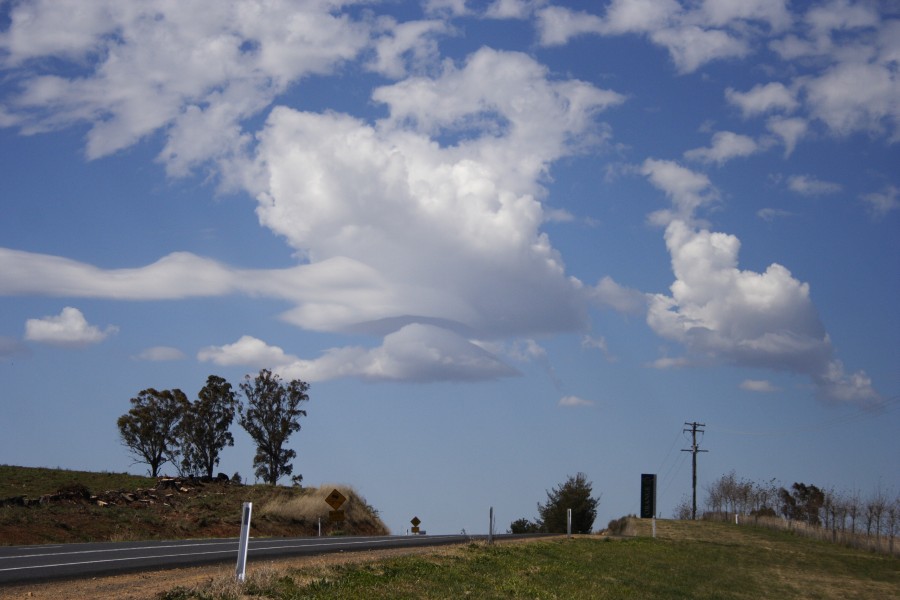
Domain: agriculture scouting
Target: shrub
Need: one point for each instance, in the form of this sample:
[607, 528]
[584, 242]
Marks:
[523, 525]
[617, 526]
[75, 490]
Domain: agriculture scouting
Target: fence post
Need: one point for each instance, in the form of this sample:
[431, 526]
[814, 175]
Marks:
[568, 522]
[241, 571]
[491, 526]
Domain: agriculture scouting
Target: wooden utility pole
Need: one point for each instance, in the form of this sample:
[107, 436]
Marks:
[694, 449]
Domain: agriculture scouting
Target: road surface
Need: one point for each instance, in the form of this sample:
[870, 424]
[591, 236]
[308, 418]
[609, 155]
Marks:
[36, 563]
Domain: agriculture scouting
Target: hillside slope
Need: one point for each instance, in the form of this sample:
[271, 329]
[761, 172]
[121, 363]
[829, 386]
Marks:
[39, 506]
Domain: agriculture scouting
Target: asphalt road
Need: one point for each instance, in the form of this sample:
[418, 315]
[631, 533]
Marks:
[36, 563]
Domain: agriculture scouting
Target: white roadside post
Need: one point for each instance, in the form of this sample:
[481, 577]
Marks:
[653, 523]
[569, 522]
[241, 571]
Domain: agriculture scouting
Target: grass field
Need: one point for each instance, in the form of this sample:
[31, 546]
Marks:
[690, 560]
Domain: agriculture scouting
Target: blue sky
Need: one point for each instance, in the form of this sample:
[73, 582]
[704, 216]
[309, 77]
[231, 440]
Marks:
[504, 241]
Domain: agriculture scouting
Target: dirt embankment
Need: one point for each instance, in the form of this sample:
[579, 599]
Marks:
[176, 508]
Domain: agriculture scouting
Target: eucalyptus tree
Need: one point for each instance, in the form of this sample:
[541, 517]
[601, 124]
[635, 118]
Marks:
[149, 428]
[271, 415]
[204, 430]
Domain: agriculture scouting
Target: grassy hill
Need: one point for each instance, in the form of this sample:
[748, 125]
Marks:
[40, 506]
[689, 560]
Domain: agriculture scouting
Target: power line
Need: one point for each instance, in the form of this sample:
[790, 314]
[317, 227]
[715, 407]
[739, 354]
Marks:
[694, 449]
[836, 421]
[669, 478]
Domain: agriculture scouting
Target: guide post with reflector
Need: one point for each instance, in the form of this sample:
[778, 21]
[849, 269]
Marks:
[241, 571]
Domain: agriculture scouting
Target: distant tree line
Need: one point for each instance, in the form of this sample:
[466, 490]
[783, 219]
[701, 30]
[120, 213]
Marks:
[839, 512]
[163, 426]
[574, 494]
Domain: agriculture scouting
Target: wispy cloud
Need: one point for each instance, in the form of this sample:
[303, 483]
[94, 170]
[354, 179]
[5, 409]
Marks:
[881, 203]
[770, 214]
[160, 354]
[809, 185]
[725, 146]
[667, 362]
[416, 352]
[10, 347]
[763, 99]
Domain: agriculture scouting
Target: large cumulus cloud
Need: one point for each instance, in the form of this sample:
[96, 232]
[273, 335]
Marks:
[452, 229]
[722, 312]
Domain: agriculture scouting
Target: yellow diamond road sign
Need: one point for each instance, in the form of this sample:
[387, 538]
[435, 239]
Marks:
[335, 499]
[415, 521]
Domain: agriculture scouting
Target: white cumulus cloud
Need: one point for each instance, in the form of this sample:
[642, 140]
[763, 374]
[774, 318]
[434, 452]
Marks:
[69, 328]
[446, 232]
[248, 350]
[747, 318]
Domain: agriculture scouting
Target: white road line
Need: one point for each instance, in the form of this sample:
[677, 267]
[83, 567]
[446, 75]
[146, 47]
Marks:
[111, 560]
[233, 550]
[75, 552]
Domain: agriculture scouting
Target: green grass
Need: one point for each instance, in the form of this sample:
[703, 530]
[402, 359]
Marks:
[687, 560]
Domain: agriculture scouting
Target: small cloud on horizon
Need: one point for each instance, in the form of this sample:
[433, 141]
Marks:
[670, 363]
[758, 385]
[574, 401]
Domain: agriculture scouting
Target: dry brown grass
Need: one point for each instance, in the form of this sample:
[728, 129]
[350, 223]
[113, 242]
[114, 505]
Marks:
[872, 542]
[310, 506]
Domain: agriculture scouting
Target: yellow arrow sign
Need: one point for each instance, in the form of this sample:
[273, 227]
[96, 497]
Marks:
[335, 499]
